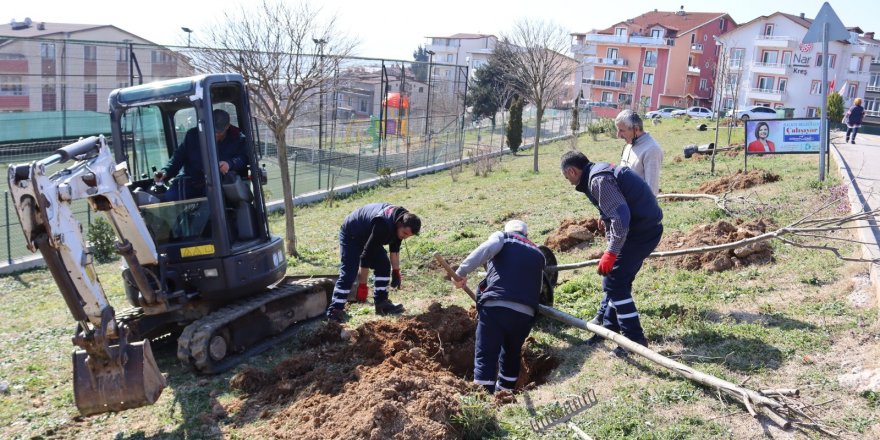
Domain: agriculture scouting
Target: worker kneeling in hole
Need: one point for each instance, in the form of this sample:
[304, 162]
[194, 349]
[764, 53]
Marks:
[507, 302]
[362, 238]
[187, 160]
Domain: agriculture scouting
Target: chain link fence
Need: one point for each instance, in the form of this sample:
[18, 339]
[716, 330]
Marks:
[373, 119]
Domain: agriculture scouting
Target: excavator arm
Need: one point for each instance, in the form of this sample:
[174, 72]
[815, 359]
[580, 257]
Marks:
[110, 374]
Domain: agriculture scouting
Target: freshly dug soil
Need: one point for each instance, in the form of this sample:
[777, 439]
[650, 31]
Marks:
[738, 180]
[718, 233]
[572, 233]
[388, 379]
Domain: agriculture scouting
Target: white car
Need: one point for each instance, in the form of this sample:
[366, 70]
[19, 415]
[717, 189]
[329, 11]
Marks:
[756, 112]
[662, 113]
[694, 112]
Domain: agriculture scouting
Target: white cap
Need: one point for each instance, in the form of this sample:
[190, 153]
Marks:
[517, 226]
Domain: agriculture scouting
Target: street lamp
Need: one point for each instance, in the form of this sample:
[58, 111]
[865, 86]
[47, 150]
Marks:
[188, 34]
[321, 42]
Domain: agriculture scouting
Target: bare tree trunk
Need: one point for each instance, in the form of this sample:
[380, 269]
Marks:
[539, 115]
[287, 192]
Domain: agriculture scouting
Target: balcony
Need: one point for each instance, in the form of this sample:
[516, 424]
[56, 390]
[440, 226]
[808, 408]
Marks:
[604, 83]
[766, 94]
[697, 47]
[857, 72]
[606, 61]
[871, 88]
[583, 49]
[735, 65]
[693, 70]
[872, 113]
[623, 40]
[771, 68]
[774, 41]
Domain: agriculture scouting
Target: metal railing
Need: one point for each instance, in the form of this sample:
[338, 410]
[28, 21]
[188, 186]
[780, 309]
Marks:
[693, 70]
[606, 61]
[603, 83]
[697, 47]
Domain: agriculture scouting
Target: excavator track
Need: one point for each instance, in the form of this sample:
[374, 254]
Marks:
[208, 345]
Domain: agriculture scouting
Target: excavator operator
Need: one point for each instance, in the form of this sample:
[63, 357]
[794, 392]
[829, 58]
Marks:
[188, 158]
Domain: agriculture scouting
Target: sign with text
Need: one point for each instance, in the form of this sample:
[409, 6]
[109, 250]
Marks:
[782, 136]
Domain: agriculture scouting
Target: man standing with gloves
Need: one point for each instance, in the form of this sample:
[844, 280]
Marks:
[507, 301]
[634, 226]
[362, 238]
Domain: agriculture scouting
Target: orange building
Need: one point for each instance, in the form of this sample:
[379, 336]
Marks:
[658, 59]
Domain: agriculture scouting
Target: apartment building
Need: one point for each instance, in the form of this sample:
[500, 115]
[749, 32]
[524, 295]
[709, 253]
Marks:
[462, 49]
[768, 65]
[73, 67]
[872, 95]
[658, 59]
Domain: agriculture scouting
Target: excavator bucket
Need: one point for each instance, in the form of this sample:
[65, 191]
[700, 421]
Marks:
[102, 388]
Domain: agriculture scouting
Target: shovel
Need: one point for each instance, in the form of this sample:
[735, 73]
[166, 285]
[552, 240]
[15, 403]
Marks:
[128, 381]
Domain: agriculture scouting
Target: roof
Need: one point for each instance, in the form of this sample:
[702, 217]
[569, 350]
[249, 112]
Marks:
[674, 20]
[55, 29]
[463, 36]
[807, 22]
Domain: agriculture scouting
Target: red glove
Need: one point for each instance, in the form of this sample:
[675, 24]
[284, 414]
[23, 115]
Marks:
[362, 293]
[606, 263]
[395, 278]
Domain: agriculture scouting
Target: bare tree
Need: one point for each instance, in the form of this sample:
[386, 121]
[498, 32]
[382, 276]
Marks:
[287, 53]
[534, 65]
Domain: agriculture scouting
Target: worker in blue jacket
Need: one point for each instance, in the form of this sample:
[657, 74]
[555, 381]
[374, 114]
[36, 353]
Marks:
[362, 238]
[633, 227]
[507, 302]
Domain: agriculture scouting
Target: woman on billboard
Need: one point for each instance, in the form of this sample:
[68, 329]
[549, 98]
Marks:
[761, 144]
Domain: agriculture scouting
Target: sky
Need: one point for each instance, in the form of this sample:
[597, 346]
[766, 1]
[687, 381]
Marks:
[392, 29]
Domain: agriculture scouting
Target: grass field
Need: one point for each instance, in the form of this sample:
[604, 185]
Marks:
[788, 324]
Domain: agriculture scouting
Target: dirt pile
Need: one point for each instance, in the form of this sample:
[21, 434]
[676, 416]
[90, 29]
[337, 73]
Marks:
[738, 180]
[717, 233]
[386, 379]
[572, 233]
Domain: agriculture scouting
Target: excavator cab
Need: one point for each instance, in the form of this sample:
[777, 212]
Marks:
[214, 234]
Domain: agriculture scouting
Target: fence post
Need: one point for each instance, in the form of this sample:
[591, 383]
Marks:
[293, 190]
[8, 237]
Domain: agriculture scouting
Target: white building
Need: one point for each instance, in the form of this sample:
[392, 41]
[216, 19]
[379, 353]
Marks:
[471, 50]
[769, 66]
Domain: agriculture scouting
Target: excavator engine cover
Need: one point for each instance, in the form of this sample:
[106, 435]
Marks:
[101, 388]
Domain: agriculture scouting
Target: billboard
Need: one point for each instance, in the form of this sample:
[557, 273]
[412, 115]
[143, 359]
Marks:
[782, 136]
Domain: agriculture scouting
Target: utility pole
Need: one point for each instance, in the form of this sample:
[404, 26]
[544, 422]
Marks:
[428, 102]
[320, 42]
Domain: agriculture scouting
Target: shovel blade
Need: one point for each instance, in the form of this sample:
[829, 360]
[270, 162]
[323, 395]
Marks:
[102, 388]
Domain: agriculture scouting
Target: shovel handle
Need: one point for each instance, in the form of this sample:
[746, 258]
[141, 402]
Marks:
[452, 274]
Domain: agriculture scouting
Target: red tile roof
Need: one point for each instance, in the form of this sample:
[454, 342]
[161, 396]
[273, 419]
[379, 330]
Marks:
[672, 20]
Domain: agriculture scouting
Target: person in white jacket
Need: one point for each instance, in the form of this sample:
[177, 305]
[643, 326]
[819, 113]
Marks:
[642, 153]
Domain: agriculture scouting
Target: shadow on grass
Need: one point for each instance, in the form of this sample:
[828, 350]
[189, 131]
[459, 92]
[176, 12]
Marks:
[734, 352]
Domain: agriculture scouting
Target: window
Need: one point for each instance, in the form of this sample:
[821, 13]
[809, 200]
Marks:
[816, 87]
[90, 88]
[47, 51]
[722, 23]
[769, 56]
[648, 79]
[611, 53]
[704, 84]
[812, 112]
[765, 82]
[650, 58]
[607, 97]
[851, 90]
[421, 90]
[872, 107]
[693, 38]
[690, 61]
[449, 58]
[728, 103]
[48, 88]
[620, 31]
[627, 77]
[855, 64]
[874, 82]
[90, 53]
[610, 75]
[10, 85]
[818, 60]
[736, 57]
[625, 98]
[363, 105]
[656, 33]
[768, 29]
[783, 82]
[786, 58]
[162, 57]
[831, 60]
[121, 54]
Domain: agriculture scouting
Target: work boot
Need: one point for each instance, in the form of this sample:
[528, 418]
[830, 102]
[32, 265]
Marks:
[386, 307]
[336, 315]
[597, 320]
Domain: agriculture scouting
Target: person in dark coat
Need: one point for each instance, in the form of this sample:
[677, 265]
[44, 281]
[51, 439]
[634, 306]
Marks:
[362, 238]
[507, 302]
[853, 120]
[186, 162]
[633, 226]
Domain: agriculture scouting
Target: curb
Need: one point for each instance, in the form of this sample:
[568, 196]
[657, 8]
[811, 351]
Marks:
[868, 229]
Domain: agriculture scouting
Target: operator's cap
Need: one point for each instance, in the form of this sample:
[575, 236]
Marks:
[517, 226]
[221, 120]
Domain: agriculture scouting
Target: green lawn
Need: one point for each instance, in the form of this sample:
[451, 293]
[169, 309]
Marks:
[786, 324]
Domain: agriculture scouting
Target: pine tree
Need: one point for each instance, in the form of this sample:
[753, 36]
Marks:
[514, 126]
[835, 107]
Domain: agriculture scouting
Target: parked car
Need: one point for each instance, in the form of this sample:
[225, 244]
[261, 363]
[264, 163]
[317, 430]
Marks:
[756, 112]
[694, 112]
[662, 113]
